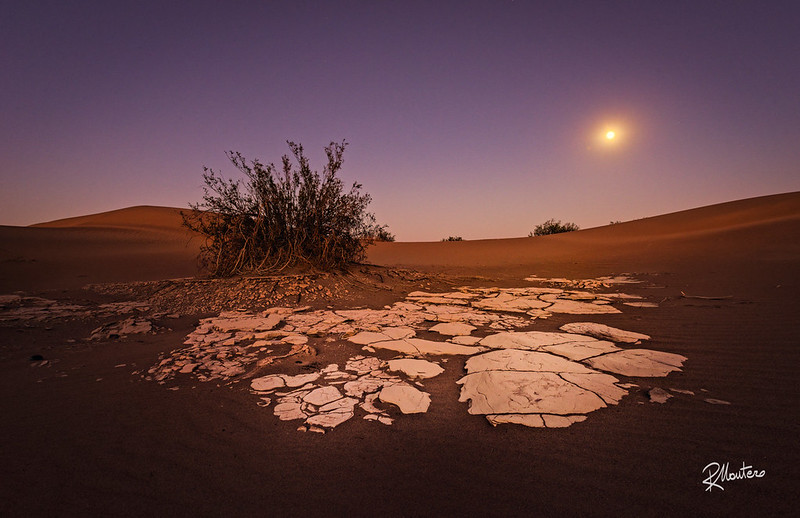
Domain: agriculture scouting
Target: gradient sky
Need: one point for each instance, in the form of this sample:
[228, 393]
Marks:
[471, 118]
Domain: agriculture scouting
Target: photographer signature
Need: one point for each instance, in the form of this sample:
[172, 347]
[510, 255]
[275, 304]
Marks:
[718, 473]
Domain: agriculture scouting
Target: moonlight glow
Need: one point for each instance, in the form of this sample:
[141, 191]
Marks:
[610, 135]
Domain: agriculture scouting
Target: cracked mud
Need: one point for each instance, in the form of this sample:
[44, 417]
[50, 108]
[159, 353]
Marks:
[531, 378]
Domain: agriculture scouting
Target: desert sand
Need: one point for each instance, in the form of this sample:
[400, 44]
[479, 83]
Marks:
[123, 393]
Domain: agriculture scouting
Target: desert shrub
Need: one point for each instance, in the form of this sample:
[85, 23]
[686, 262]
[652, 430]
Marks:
[552, 226]
[453, 238]
[273, 220]
[614, 222]
[381, 233]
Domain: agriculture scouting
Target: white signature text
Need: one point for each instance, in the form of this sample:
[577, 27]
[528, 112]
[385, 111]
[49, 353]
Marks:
[717, 473]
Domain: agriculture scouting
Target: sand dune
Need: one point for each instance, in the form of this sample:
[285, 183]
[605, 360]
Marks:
[146, 243]
[736, 231]
[139, 243]
[140, 217]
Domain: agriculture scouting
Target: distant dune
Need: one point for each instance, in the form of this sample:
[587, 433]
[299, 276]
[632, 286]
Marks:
[137, 243]
[148, 243]
[741, 230]
[143, 217]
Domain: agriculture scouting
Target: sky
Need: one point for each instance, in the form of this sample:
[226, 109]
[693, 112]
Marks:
[478, 119]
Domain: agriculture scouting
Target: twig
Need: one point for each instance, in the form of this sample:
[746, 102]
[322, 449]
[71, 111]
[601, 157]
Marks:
[705, 298]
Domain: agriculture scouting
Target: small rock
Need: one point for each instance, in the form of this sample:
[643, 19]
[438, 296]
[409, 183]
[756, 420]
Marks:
[658, 395]
[716, 401]
[453, 329]
[322, 396]
[406, 397]
[414, 368]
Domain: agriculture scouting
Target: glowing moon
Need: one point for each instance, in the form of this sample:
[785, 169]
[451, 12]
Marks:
[610, 135]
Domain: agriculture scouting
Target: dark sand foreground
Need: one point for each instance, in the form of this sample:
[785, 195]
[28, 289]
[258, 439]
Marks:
[82, 436]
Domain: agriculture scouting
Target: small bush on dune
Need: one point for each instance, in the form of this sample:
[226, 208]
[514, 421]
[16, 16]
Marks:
[382, 234]
[552, 226]
[453, 238]
[274, 220]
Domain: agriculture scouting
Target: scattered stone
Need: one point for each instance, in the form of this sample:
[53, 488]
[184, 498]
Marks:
[524, 387]
[367, 384]
[530, 420]
[511, 303]
[519, 360]
[406, 397]
[41, 362]
[716, 401]
[239, 321]
[456, 295]
[617, 296]
[334, 413]
[561, 421]
[387, 334]
[300, 379]
[289, 410]
[16, 308]
[638, 362]
[604, 332]
[129, 326]
[369, 404]
[574, 307]
[465, 340]
[658, 395]
[267, 383]
[641, 304]
[536, 420]
[453, 329]
[419, 346]
[276, 381]
[580, 351]
[604, 385]
[189, 367]
[414, 368]
[363, 364]
[574, 347]
[600, 282]
[509, 392]
[380, 418]
[322, 396]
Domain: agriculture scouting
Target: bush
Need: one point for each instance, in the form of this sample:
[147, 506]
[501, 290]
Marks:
[274, 221]
[552, 226]
[453, 238]
[382, 234]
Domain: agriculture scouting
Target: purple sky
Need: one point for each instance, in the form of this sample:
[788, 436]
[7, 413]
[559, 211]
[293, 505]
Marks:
[471, 118]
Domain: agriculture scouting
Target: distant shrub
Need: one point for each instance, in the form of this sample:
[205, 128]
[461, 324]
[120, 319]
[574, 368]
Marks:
[382, 234]
[453, 238]
[298, 217]
[552, 226]
[614, 222]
